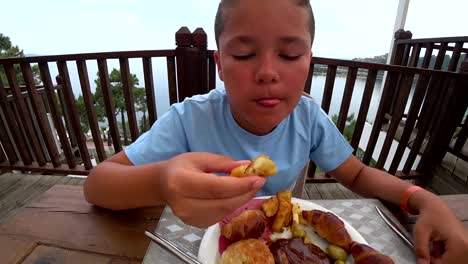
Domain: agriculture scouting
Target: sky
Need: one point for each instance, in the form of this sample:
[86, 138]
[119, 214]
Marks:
[344, 28]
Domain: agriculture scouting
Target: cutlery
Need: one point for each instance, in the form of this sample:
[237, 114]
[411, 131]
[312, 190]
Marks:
[396, 228]
[157, 238]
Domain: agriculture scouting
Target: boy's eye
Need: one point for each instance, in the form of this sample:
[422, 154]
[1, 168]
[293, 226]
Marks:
[243, 57]
[289, 58]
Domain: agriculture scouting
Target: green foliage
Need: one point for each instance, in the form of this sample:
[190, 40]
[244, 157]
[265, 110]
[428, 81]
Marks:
[118, 101]
[7, 50]
[349, 127]
[80, 104]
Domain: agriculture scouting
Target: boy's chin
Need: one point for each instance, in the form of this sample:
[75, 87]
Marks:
[263, 128]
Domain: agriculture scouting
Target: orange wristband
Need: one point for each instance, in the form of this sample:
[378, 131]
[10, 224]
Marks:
[405, 198]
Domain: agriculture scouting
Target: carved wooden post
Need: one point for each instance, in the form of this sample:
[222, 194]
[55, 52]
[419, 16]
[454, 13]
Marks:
[192, 75]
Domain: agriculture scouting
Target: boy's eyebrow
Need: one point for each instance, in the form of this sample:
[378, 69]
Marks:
[292, 39]
[243, 39]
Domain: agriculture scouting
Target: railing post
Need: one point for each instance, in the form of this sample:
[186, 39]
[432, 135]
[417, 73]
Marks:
[192, 68]
[398, 58]
[399, 49]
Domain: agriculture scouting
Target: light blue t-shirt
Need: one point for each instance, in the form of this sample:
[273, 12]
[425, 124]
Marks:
[204, 123]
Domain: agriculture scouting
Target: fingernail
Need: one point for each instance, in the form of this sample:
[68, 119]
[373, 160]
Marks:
[258, 183]
[421, 261]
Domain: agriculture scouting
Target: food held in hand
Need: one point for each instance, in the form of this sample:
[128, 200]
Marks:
[260, 166]
[364, 254]
[291, 251]
[247, 251]
[330, 227]
[249, 224]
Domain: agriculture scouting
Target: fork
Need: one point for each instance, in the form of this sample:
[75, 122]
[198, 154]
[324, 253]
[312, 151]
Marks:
[168, 245]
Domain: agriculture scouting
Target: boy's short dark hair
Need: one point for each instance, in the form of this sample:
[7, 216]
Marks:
[220, 14]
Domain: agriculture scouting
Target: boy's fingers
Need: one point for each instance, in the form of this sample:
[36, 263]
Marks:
[421, 242]
[209, 186]
[217, 208]
[214, 163]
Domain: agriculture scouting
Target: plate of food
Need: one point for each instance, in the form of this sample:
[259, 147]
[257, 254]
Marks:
[314, 231]
[283, 229]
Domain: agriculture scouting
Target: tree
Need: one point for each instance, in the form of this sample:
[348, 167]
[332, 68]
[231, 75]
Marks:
[82, 114]
[349, 127]
[140, 106]
[118, 98]
[7, 50]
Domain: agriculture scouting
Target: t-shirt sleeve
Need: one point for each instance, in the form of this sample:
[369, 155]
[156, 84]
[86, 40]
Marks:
[329, 149]
[164, 140]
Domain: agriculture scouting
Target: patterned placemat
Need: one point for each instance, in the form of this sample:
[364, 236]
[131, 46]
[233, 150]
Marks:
[359, 213]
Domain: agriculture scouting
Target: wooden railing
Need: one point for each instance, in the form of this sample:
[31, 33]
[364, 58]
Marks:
[439, 99]
[26, 137]
[447, 54]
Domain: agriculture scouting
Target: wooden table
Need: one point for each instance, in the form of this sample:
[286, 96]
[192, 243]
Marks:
[61, 227]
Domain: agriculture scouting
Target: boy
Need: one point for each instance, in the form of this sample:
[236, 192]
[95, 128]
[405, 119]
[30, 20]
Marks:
[263, 57]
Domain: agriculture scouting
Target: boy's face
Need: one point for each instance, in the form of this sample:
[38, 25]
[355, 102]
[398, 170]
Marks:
[263, 58]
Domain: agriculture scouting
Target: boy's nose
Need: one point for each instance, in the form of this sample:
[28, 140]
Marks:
[266, 72]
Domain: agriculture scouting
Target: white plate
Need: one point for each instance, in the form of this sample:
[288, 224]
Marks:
[208, 252]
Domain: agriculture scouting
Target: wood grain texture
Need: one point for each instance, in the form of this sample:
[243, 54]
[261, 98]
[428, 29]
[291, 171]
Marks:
[66, 220]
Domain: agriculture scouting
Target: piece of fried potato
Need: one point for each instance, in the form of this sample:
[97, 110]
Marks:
[284, 196]
[260, 166]
[270, 206]
[283, 216]
[239, 171]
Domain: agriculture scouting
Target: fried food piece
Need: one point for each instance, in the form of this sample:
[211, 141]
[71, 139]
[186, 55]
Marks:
[364, 254]
[284, 196]
[270, 206]
[330, 227]
[249, 224]
[283, 217]
[296, 222]
[260, 166]
[248, 251]
[239, 171]
[290, 251]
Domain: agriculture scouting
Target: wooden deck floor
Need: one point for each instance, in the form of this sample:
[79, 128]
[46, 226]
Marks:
[18, 190]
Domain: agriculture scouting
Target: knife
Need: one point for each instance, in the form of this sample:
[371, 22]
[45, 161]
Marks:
[172, 248]
[396, 228]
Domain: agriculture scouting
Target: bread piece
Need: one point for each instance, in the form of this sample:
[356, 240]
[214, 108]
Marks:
[364, 254]
[249, 224]
[330, 227]
[248, 251]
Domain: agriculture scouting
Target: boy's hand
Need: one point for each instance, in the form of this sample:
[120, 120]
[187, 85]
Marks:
[449, 238]
[199, 197]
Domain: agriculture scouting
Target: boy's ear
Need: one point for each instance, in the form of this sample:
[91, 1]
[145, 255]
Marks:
[218, 64]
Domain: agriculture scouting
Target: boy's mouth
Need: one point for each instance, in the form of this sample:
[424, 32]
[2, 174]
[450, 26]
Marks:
[268, 102]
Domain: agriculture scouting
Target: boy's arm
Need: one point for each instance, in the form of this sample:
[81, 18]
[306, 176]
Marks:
[371, 182]
[117, 184]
